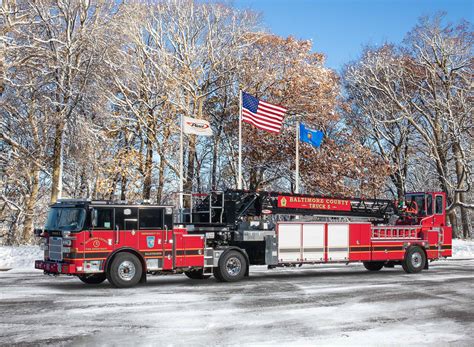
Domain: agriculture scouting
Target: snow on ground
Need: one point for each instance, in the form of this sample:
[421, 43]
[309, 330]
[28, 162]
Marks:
[333, 304]
[463, 248]
[23, 257]
[324, 305]
[19, 257]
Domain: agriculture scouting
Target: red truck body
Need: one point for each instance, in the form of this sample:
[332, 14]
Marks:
[124, 243]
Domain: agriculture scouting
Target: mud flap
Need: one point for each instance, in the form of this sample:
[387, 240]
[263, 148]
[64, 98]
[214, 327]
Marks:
[426, 265]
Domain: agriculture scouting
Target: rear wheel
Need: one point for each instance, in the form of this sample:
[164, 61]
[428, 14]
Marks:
[232, 267]
[415, 260]
[93, 278]
[125, 270]
[373, 265]
[196, 275]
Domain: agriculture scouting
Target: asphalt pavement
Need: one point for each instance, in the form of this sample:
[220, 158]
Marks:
[323, 305]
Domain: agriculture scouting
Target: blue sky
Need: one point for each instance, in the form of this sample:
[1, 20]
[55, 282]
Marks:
[340, 28]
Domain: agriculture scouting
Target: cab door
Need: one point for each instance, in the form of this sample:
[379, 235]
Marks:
[126, 227]
[98, 241]
[152, 236]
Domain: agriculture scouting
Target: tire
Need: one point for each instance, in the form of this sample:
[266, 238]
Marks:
[415, 260]
[232, 267]
[125, 270]
[196, 275]
[373, 265]
[93, 279]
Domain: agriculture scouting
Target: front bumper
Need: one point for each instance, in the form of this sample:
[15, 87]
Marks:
[51, 267]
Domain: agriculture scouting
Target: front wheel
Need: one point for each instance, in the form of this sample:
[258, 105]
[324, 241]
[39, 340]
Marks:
[125, 270]
[415, 260]
[93, 278]
[373, 265]
[196, 275]
[232, 267]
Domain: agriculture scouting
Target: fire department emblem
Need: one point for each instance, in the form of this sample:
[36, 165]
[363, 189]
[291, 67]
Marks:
[150, 241]
[283, 202]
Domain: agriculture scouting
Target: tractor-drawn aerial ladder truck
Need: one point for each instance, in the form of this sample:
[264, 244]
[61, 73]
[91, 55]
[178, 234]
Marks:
[223, 233]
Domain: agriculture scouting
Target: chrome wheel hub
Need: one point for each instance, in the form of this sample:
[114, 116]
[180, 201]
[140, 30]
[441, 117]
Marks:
[126, 270]
[416, 260]
[233, 266]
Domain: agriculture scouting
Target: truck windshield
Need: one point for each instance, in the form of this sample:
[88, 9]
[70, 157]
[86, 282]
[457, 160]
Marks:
[66, 219]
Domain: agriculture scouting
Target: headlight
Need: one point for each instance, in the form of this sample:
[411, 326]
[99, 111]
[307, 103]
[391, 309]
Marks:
[67, 242]
[66, 233]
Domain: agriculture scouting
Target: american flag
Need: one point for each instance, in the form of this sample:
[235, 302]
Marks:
[262, 114]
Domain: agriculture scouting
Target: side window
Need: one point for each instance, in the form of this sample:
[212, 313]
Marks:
[151, 218]
[439, 204]
[429, 204]
[126, 218]
[105, 218]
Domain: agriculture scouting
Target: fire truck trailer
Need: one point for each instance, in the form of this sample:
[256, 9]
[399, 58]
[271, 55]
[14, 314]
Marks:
[223, 233]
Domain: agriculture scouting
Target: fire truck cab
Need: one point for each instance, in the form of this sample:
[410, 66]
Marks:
[95, 240]
[222, 233]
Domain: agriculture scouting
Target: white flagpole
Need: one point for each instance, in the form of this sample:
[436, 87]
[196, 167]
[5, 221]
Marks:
[239, 182]
[181, 171]
[297, 159]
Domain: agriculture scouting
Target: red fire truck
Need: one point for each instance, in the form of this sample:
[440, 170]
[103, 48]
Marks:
[222, 233]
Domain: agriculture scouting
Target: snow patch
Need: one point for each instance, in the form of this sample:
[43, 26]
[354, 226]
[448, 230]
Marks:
[21, 257]
[463, 248]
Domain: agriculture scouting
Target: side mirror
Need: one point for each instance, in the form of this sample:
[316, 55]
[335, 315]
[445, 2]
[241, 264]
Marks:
[37, 232]
[94, 218]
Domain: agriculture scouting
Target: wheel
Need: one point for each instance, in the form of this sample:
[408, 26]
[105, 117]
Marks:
[93, 278]
[232, 267]
[415, 260]
[125, 270]
[196, 275]
[373, 265]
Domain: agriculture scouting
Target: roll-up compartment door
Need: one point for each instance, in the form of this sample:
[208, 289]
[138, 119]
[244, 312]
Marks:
[289, 242]
[313, 242]
[338, 242]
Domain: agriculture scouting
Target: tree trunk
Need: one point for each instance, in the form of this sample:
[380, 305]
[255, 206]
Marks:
[161, 182]
[465, 220]
[215, 152]
[461, 180]
[123, 191]
[453, 222]
[188, 180]
[253, 179]
[114, 185]
[148, 169]
[30, 206]
[56, 189]
[198, 173]
[162, 151]
[397, 181]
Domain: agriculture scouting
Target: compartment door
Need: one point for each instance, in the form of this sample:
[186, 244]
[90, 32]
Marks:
[289, 242]
[338, 242]
[313, 242]
[193, 250]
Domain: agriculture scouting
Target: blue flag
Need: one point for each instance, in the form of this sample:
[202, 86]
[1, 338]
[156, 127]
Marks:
[313, 137]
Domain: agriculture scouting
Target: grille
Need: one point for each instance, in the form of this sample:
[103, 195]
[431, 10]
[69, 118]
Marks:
[56, 248]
